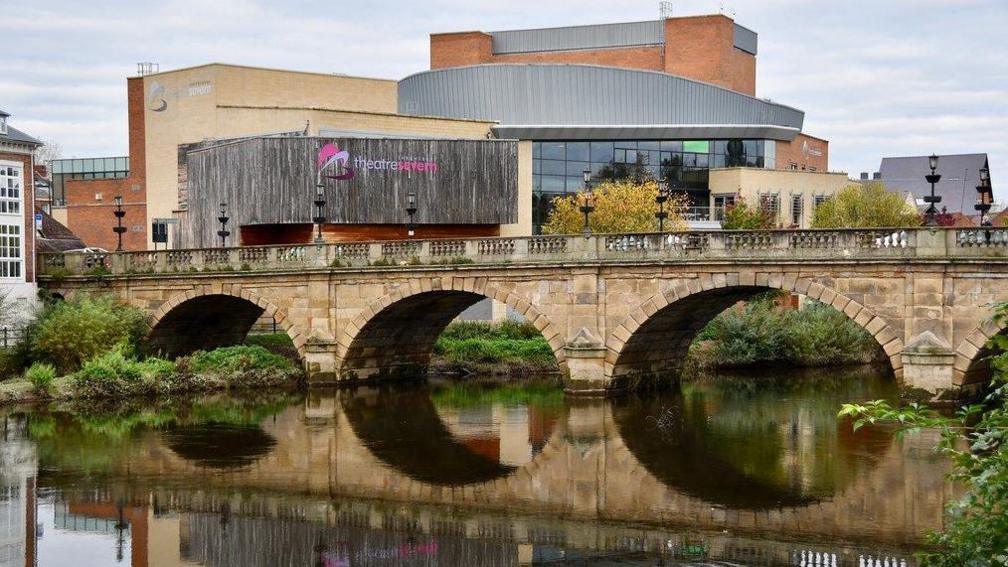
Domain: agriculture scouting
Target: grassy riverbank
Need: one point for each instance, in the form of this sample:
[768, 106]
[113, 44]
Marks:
[760, 332]
[502, 348]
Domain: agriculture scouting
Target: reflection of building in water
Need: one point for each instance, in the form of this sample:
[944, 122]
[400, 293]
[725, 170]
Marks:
[18, 463]
[508, 434]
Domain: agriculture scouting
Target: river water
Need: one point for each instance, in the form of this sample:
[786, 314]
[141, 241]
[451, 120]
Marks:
[726, 470]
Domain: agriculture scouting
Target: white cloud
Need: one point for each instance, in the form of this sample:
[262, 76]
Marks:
[875, 78]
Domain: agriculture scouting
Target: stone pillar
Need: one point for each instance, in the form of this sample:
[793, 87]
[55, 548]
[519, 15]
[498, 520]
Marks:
[585, 365]
[321, 363]
[928, 363]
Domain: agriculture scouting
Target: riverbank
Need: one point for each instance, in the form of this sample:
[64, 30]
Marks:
[505, 348]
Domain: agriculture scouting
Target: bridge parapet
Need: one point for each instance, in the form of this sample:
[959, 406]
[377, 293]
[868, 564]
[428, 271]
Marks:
[799, 245]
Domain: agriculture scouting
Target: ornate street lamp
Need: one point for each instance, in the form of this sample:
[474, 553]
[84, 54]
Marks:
[320, 203]
[931, 213]
[663, 195]
[411, 210]
[985, 196]
[119, 213]
[223, 233]
[588, 205]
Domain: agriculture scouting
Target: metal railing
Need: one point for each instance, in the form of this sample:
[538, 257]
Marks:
[778, 245]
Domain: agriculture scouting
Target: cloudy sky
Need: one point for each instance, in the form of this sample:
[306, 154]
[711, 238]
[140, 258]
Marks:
[876, 78]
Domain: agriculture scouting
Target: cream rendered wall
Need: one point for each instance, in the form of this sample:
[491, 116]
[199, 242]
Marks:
[524, 225]
[751, 182]
[191, 111]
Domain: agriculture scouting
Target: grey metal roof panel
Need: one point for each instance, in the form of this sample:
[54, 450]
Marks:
[646, 132]
[600, 36]
[745, 39]
[583, 95]
[960, 176]
[3, 113]
[19, 137]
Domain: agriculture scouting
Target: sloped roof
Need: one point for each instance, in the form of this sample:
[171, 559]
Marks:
[19, 137]
[54, 237]
[960, 176]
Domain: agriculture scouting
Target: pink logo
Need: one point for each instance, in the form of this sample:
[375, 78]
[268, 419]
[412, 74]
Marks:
[330, 156]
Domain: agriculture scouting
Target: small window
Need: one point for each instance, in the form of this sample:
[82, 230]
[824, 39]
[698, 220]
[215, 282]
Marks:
[797, 209]
[3, 124]
[793, 166]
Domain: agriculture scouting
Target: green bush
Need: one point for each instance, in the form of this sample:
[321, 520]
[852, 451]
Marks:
[506, 329]
[116, 373]
[760, 331]
[41, 376]
[237, 360]
[69, 333]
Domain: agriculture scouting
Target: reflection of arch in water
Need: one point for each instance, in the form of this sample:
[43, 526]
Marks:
[400, 426]
[750, 462]
[220, 446]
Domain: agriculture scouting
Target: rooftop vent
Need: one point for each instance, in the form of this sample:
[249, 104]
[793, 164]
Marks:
[147, 68]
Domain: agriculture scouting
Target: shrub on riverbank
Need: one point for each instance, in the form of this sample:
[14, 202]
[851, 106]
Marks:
[71, 332]
[41, 376]
[760, 332]
[115, 373]
[279, 343]
[506, 347]
[239, 359]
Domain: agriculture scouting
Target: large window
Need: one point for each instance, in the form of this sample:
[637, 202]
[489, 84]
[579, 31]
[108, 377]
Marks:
[10, 189]
[557, 166]
[10, 251]
[88, 168]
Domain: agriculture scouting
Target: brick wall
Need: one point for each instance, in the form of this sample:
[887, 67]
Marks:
[89, 216]
[804, 153]
[27, 208]
[703, 48]
[697, 47]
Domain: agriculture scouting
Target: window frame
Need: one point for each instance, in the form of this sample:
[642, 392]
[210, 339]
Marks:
[12, 205]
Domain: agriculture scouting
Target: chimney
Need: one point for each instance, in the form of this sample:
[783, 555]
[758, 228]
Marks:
[877, 175]
[864, 176]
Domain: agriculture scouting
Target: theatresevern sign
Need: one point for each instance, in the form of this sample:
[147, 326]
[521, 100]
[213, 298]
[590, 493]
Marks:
[395, 164]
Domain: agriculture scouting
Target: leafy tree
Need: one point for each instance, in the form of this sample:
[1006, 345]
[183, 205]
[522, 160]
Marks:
[741, 216]
[69, 333]
[865, 206]
[620, 206]
[976, 439]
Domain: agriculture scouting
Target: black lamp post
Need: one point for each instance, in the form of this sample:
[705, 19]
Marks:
[319, 218]
[223, 233]
[931, 213]
[985, 196]
[660, 198]
[411, 210]
[119, 213]
[588, 205]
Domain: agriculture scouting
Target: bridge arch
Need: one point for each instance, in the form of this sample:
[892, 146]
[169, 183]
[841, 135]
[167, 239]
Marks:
[396, 333]
[201, 319]
[673, 317]
[972, 356]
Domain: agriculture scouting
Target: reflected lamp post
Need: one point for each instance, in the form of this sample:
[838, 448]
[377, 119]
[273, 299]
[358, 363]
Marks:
[319, 219]
[985, 197]
[223, 233]
[588, 206]
[119, 213]
[660, 199]
[931, 213]
[411, 210]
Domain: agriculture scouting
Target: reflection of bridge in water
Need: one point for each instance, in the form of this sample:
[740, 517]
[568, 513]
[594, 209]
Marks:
[375, 459]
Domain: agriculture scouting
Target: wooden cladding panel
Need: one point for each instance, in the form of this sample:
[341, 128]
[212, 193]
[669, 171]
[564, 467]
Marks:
[268, 181]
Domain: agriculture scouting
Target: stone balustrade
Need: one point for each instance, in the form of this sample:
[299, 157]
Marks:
[778, 245]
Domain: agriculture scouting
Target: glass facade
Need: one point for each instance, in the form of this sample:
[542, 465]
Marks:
[84, 168]
[557, 166]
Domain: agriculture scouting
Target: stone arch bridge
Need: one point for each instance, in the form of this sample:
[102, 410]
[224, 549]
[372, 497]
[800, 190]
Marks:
[618, 310]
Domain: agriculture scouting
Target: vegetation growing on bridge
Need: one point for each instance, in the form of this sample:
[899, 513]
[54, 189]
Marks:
[760, 331]
[976, 440]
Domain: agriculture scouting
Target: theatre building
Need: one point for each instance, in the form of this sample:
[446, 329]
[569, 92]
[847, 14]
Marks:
[504, 122]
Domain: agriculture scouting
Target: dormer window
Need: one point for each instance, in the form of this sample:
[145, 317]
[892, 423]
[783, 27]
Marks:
[3, 125]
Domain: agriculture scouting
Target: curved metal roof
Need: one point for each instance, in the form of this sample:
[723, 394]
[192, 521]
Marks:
[558, 101]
